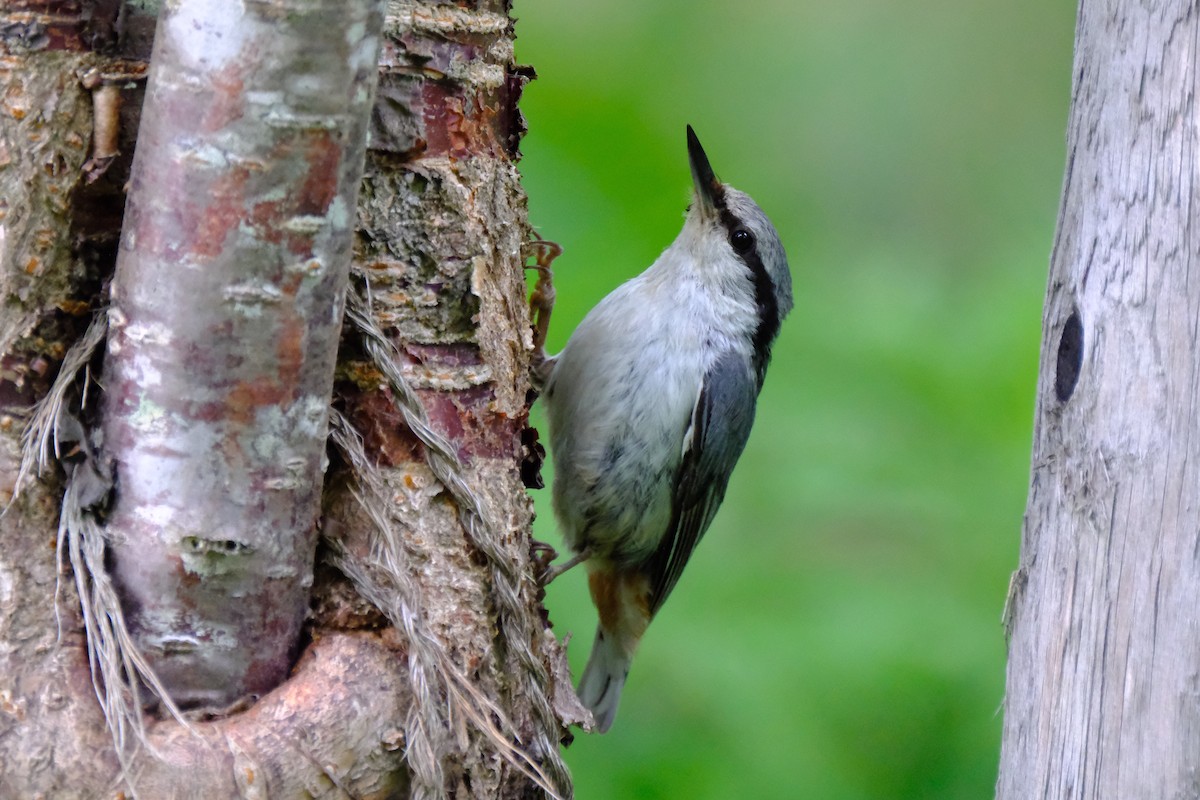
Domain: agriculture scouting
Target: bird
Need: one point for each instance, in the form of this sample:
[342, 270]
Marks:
[649, 407]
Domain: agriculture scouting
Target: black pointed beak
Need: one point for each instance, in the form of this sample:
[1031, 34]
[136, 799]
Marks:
[709, 191]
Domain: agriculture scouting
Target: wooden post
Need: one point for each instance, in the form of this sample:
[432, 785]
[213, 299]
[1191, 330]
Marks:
[1103, 690]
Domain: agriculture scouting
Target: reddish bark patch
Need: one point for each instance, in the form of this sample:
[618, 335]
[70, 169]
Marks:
[263, 217]
[466, 417]
[247, 397]
[454, 354]
[27, 25]
[323, 151]
[226, 103]
[424, 111]
[385, 436]
[289, 349]
[224, 212]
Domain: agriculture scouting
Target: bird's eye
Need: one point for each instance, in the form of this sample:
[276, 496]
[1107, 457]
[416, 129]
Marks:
[741, 240]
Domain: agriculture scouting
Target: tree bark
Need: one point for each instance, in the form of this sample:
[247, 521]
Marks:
[58, 236]
[224, 320]
[427, 668]
[1103, 688]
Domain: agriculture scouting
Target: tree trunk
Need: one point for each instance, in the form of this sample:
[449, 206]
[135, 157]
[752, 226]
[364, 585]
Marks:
[1103, 690]
[224, 321]
[426, 668]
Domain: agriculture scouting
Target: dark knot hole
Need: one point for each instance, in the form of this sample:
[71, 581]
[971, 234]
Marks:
[1070, 358]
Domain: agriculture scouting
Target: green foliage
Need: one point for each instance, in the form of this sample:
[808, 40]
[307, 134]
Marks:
[837, 634]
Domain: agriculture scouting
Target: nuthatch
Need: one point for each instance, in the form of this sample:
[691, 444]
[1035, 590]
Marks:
[650, 405]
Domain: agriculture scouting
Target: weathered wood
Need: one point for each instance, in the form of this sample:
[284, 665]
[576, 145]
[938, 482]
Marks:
[1103, 690]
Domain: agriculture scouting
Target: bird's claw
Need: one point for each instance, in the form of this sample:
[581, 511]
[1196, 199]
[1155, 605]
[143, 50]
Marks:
[541, 302]
[544, 554]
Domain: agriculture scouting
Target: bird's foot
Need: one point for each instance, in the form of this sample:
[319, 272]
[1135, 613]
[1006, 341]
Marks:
[541, 553]
[547, 572]
[541, 304]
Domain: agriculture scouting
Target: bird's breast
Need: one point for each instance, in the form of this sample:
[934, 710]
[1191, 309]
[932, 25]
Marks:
[620, 403]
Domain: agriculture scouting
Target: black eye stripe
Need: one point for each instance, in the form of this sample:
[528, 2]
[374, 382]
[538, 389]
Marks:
[764, 293]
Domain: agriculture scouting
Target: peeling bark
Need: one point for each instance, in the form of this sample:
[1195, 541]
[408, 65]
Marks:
[441, 230]
[438, 252]
[1103, 690]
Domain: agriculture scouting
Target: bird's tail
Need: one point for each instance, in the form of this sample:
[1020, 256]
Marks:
[603, 678]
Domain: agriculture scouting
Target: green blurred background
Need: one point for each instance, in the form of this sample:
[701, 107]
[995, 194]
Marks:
[837, 635]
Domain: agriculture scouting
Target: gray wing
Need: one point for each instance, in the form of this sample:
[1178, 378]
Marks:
[715, 438]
